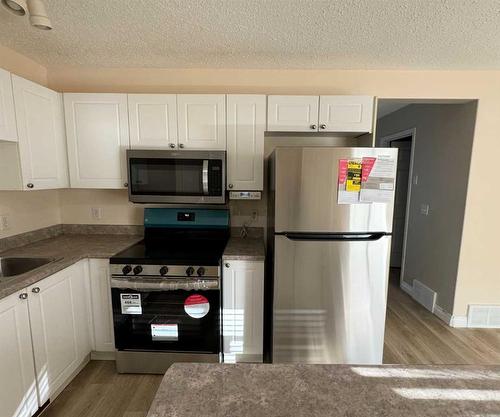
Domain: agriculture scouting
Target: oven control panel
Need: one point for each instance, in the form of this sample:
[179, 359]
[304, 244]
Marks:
[165, 271]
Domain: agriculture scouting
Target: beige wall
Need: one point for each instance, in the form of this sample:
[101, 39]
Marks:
[481, 226]
[29, 211]
[443, 144]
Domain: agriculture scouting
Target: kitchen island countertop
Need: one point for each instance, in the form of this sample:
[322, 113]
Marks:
[265, 390]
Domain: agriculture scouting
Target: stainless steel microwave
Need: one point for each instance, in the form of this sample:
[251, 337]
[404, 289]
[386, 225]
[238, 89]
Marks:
[180, 177]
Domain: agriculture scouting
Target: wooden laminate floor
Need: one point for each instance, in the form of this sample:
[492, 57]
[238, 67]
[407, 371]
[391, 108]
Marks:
[413, 336]
[98, 391]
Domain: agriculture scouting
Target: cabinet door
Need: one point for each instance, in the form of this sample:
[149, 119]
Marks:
[42, 140]
[98, 136]
[102, 312]
[202, 121]
[243, 310]
[346, 114]
[292, 113]
[56, 306]
[152, 120]
[8, 129]
[246, 120]
[18, 395]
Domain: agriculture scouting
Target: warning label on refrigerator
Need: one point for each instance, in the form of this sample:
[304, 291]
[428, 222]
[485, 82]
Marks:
[378, 180]
[131, 303]
[366, 180]
[349, 181]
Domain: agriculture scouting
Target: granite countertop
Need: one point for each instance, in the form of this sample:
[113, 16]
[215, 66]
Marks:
[68, 249]
[244, 249]
[248, 390]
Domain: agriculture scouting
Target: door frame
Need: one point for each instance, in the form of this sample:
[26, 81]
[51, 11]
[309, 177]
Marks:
[385, 141]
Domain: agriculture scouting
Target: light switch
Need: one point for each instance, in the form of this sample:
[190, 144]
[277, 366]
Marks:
[424, 209]
[96, 213]
[415, 180]
[4, 222]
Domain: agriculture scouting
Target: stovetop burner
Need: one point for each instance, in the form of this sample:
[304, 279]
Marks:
[177, 242]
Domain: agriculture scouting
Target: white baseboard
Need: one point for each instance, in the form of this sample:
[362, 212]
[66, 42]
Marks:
[424, 295]
[443, 315]
[458, 322]
[407, 288]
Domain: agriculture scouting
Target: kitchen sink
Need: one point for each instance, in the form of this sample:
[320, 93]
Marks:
[13, 266]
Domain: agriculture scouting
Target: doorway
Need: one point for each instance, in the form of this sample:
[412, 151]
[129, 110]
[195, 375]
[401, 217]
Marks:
[404, 141]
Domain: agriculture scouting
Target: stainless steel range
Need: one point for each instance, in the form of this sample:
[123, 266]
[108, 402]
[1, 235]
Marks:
[166, 291]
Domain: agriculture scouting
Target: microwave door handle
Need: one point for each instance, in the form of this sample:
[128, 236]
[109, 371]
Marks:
[204, 177]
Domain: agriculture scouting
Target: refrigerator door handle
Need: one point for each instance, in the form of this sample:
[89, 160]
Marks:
[334, 236]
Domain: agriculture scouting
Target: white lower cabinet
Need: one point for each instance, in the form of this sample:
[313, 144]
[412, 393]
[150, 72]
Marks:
[58, 307]
[102, 313]
[243, 311]
[18, 395]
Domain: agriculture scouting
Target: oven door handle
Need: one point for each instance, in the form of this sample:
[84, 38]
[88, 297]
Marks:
[204, 176]
[164, 285]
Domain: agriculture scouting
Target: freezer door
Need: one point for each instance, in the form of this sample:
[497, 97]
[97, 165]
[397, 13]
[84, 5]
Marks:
[304, 187]
[330, 300]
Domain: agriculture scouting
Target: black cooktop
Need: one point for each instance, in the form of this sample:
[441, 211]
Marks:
[181, 253]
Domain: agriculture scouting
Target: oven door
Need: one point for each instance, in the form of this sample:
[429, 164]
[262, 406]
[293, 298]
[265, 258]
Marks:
[157, 176]
[174, 321]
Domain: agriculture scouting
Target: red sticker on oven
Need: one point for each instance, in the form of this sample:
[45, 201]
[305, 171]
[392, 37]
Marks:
[196, 306]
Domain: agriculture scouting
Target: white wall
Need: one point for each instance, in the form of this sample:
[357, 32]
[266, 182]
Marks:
[443, 146]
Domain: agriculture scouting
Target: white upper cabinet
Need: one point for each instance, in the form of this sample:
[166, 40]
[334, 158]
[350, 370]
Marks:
[98, 136]
[202, 121]
[346, 114]
[152, 120]
[42, 144]
[18, 395]
[292, 113]
[246, 121]
[8, 129]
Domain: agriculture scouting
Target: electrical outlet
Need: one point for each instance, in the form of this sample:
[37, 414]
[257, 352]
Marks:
[4, 222]
[96, 213]
[255, 214]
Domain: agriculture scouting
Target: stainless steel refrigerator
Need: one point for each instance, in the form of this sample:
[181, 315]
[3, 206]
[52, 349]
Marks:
[327, 264]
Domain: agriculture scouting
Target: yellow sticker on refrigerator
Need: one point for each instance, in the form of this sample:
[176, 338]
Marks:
[353, 180]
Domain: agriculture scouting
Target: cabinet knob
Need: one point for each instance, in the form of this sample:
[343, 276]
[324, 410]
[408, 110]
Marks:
[23, 295]
[172, 145]
[322, 126]
[313, 127]
[230, 185]
[125, 184]
[30, 185]
[227, 265]
[181, 145]
[35, 290]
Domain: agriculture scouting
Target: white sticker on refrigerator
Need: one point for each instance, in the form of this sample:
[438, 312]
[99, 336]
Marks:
[131, 303]
[378, 180]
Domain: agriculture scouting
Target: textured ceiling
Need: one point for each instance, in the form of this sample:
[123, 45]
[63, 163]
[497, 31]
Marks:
[344, 34]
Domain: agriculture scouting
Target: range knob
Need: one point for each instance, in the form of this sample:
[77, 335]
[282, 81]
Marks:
[200, 271]
[189, 271]
[126, 269]
[163, 270]
[137, 270]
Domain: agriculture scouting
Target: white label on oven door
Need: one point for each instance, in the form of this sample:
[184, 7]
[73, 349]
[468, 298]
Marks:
[167, 332]
[131, 303]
